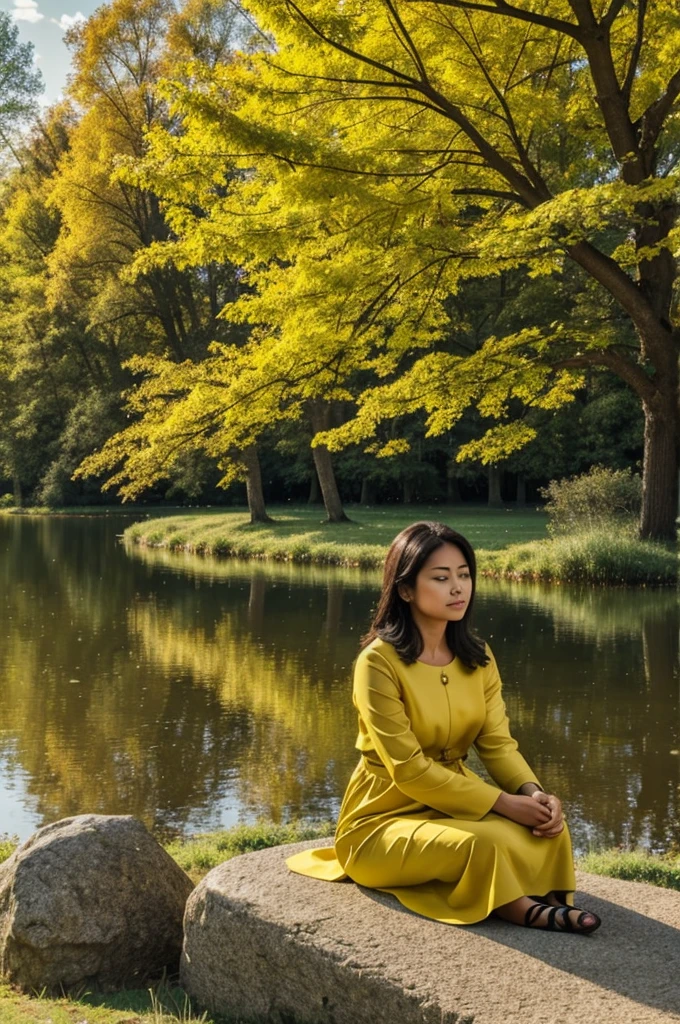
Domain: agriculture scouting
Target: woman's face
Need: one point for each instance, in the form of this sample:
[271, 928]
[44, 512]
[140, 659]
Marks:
[443, 587]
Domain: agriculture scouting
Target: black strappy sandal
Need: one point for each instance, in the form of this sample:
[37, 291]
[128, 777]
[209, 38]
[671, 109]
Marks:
[563, 923]
[559, 894]
[579, 928]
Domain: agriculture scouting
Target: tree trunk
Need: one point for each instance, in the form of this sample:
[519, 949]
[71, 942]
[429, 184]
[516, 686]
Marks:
[367, 491]
[453, 491]
[521, 489]
[258, 511]
[314, 489]
[319, 416]
[407, 490]
[660, 466]
[329, 485]
[494, 476]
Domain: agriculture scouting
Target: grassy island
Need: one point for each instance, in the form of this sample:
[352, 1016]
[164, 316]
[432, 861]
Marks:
[510, 543]
[166, 1003]
[300, 533]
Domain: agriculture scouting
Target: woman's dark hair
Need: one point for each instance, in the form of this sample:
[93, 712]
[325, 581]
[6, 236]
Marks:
[393, 621]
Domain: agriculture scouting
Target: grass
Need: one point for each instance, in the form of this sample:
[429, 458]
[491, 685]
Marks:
[510, 544]
[199, 854]
[87, 510]
[607, 558]
[635, 866]
[165, 1002]
[162, 1003]
[300, 534]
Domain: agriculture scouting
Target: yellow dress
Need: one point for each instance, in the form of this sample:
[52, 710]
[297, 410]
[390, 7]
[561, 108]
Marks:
[414, 820]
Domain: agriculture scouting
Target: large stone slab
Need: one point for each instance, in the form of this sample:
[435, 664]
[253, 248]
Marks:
[264, 943]
[94, 899]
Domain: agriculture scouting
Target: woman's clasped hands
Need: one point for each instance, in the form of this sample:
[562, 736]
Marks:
[555, 824]
[541, 812]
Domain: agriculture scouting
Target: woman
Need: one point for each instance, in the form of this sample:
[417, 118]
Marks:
[415, 821]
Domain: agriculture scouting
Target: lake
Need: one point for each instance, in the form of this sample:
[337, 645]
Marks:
[195, 694]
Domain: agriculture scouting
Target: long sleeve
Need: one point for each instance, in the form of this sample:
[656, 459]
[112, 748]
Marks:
[494, 743]
[378, 699]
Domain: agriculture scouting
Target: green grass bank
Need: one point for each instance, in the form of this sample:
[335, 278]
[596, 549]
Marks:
[301, 534]
[89, 510]
[594, 557]
[164, 1002]
[510, 544]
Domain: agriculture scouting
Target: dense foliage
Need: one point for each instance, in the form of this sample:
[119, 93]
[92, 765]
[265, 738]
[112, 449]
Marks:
[416, 249]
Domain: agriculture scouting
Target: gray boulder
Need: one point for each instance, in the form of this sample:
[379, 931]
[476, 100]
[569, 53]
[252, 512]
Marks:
[262, 943]
[92, 899]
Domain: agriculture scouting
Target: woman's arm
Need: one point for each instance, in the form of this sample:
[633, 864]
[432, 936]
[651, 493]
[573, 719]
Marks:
[524, 800]
[494, 743]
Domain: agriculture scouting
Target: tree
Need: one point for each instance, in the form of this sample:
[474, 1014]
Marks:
[180, 409]
[44, 360]
[391, 149]
[110, 221]
[20, 83]
[20, 80]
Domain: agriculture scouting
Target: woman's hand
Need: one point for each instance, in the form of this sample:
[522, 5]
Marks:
[555, 824]
[525, 810]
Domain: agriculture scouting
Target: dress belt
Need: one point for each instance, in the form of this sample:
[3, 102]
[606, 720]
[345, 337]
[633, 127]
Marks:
[449, 754]
[446, 756]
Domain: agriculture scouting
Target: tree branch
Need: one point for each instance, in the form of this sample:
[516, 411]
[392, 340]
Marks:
[440, 104]
[627, 86]
[631, 373]
[410, 45]
[512, 197]
[608, 272]
[507, 10]
[651, 121]
[347, 50]
[524, 159]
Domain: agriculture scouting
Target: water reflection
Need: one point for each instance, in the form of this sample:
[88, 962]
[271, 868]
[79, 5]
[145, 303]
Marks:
[193, 693]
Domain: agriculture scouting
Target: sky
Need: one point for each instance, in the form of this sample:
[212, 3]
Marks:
[43, 23]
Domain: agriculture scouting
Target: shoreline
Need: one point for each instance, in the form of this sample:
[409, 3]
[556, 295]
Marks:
[299, 535]
[595, 558]
[512, 544]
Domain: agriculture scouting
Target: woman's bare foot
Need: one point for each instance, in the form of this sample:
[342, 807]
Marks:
[555, 898]
[548, 915]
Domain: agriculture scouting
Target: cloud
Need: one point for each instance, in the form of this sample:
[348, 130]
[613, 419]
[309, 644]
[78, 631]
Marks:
[68, 20]
[27, 10]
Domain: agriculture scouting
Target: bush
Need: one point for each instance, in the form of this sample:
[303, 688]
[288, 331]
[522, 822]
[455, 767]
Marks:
[7, 501]
[592, 500]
